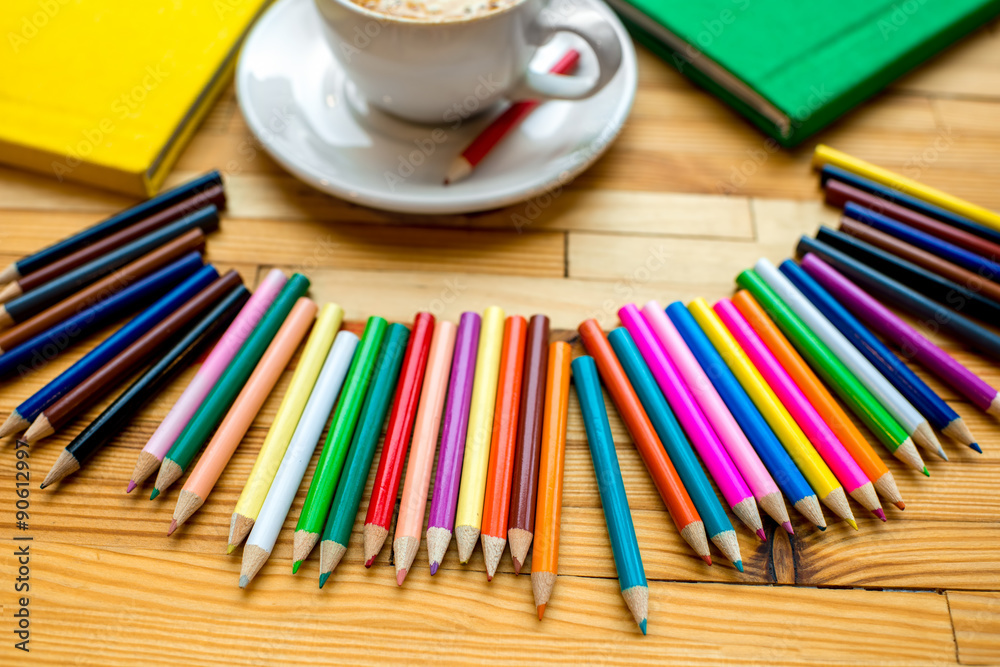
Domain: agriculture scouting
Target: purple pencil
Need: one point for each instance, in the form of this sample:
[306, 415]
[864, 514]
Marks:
[441, 521]
[909, 340]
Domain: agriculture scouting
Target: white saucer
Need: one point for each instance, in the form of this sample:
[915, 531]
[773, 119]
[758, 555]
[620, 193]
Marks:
[304, 111]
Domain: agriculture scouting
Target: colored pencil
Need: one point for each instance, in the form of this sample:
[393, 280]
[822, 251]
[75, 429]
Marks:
[503, 125]
[965, 297]
[383, 371]
[829, 174]
[932, 315]
[272, 452]
[243, 411]
[970, 281]
[211, 369]
[505, 418]
[621, 531]
[715, 457]
[788, 477]
[521, 522]
[382, 502]
[215, 196]
[654, 456]
[826, 155]
[28, 410]
[717, 525]
[441, 516]
[913, 344]
[37, 300]
[410, 522]
[186, 191]
[335, 449]
[281, 492]
[34, 353]
[834, 373]
[92, 388]
[552, 455]
[895, 404]
[857, 485]
[223, 393]
[747, 461]
[805, 456]
[110, 422]
[103, 289]
[821, 399]
[932, 243]
[938, 412]
[479, 434]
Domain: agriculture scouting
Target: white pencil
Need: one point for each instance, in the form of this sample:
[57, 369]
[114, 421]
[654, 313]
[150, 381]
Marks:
[286, 482]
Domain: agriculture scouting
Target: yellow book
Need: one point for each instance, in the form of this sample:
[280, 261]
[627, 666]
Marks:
[108, 92]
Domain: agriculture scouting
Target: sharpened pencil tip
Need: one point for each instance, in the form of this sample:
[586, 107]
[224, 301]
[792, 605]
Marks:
[739, 565]
[295, 566]
[975, 446]
[489, 577]
[173, 527]
[788, 527]
[42, 485]
[823, 528]
[517, 566]
[642, 626]
[901, 505]
[541, 611]
[131, 486]
[401, 577]
[230, 548]
[434, 568]
[879, 512]
[370, 561]
[926, 473]
[322, 578]
[852, 523]
[762, 535]
[707, 559]
[244, 580]
[155, 493]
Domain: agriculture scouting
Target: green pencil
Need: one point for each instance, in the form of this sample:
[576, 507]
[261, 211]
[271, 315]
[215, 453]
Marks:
[830, 368]
[344, 510]
[229, 385]
[331, 460]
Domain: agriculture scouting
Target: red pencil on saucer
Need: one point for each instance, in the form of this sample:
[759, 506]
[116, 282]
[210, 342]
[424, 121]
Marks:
[481, 146]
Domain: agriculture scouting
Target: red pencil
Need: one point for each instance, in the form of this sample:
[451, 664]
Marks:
[481, 146]
[397, 437]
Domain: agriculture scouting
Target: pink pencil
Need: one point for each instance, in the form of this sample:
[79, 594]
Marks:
[720, 466]
[730, 434]
[203, 381]
[818, 431]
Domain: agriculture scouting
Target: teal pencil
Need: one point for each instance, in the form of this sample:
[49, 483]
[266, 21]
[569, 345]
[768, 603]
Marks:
[717, 524]
[628, 560]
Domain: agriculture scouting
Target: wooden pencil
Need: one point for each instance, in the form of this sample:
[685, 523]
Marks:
[382, 503]
[521, 520]
[621, 531]
[496, 502]
[552, 454]
[654, 456]
[413, 500]
[109, 423]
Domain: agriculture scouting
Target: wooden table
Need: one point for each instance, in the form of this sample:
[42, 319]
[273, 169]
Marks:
[687, 197]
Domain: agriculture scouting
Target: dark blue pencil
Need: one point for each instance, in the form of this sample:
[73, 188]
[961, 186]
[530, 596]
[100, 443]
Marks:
[717, 525]
[933, 317]
[776, 459]
[621, 531]
[39, 350]
[100, 355]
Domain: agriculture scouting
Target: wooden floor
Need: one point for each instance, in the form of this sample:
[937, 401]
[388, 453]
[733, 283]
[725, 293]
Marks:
[670, 213]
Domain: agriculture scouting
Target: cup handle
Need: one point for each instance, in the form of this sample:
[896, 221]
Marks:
[596, 31]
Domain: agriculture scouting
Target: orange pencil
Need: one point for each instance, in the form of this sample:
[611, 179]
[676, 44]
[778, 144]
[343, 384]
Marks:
[828, 408]
[243, 411]
[548, 506]
[664, 475]
[501, 471]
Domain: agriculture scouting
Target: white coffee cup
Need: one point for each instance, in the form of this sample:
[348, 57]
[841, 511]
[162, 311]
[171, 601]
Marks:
[434, 72]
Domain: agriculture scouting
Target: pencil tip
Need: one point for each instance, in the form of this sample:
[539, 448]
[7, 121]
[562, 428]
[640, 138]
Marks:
[244, 580]
[400, 577]
[131, 486]
[42, 485]
[541, 611]
[788, 527]
[926, 473]
[879, 512]
[739, 565]
[517, 566]
[368, 563]
[295, 566]
[762, 535]
[173, 527]
[322, 578]
[434, 568]
[901, 505]
[975, 446]
[852, 523]
[822, 528]
[230, 548]
[707, 559]
[642, 626]
[155, 493]
[940, 452]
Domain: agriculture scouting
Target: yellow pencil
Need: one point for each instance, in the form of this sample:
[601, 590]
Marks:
[826, 155]
[808, 460]
[472, 492]
[280, 434]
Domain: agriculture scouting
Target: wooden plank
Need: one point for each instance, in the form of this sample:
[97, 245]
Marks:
[971, 67]
[976, 618]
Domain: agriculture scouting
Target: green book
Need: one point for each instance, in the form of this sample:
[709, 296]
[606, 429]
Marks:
[793, 67]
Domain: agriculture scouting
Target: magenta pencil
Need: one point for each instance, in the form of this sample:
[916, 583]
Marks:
[829, 447]
[913, 344]
[761, 484]
[441, 518]
[720, 466]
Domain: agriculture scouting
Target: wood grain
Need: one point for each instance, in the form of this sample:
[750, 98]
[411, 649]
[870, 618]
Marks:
[976, 617]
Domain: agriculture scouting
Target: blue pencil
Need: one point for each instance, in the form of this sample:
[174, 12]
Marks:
[970, 260]
[35, 352]
[621, 531]
[939, 413]
[758, 432]
[100, 355]
[717, 524]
